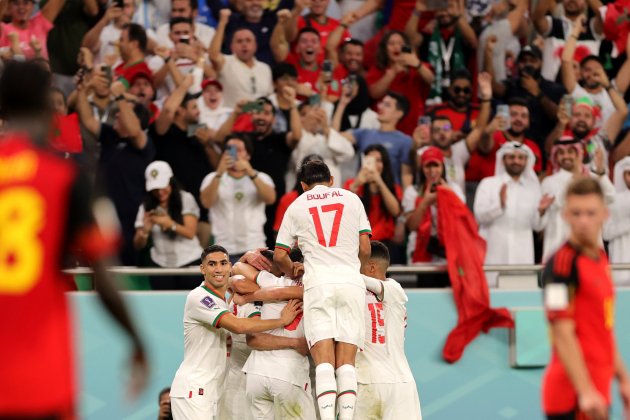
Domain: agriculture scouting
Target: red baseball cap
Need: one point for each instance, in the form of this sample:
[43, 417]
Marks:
[209, 82]
[431, 154]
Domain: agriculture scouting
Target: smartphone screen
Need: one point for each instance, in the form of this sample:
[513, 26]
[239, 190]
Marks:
[369, 162]
[232, 151]
[504, 111]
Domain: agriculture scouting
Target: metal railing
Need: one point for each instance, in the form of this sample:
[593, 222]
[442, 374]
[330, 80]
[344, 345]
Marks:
[394, 269]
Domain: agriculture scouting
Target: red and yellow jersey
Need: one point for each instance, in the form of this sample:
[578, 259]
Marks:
[43, 215]
[581, 289]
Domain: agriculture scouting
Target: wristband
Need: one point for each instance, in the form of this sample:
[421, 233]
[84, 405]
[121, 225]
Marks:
[485, 100]
[253, 177]
[119, 98]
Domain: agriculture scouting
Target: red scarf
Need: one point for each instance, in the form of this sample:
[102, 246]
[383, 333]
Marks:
[466, 251]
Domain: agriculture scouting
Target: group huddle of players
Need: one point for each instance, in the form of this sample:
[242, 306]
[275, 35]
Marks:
[333, 302]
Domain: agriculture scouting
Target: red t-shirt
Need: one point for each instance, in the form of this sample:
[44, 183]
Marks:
[458, 119]
[383, 225]
[324, 31]
[481, 165]
[410, 85]
[283, 205]
[591, 307]
[46, 215]
[311, 77]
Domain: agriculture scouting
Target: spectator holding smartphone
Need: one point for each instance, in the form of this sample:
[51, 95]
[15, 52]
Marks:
[380, 195]
[103, 38]
[169, 217]
[236, 202]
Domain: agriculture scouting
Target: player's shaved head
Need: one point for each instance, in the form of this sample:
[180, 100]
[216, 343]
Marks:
[380, 254]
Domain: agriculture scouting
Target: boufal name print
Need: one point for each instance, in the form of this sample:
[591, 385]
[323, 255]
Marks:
[324, 195]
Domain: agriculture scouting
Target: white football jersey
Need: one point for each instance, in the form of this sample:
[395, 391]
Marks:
[239, 351]
[205, 363]
[326, 223]
[383, 357]
[287, 365]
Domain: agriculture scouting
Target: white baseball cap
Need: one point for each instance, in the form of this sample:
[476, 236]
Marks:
[158, 175]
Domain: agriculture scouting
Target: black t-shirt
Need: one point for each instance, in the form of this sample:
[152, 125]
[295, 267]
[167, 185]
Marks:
[186, 155]
[121, 172]
[271, 156]
[540, 125]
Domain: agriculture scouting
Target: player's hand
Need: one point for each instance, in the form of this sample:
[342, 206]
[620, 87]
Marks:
[139, 368]
[298, 270]
[624, 392]
[238, 299]
[291, 311]
[257, 260]
[301, 346]
[593, 405]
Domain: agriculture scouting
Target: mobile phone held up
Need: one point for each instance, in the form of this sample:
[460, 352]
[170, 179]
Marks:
[567, 104]
[192, 129]
[369, 162]
[231, 149]
[252, 107]
[504, 111]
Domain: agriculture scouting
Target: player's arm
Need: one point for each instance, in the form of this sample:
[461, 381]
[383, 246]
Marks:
[265, 341]
[365, 249]
[254, 325]
[375, 286]
[270, 294]
[282, 259]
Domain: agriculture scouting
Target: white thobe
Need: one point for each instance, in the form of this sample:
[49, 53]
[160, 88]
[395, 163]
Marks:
[556, 229]
[617, 232]
[508, 231]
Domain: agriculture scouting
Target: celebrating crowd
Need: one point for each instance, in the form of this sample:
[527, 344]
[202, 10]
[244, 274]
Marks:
[193, 118]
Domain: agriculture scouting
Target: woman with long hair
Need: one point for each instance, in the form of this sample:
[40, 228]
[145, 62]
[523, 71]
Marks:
[399, 69]
[380, 195]
[169, 217]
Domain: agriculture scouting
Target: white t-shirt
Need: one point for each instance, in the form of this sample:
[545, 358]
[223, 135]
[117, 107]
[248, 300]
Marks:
[326, 222]
[455, 165]
[205, 361]
[185, 67]
[108, 40]
[243, 82]
[238, 216]
[178, 251]
[240, 350]
[213, 118]
[287, 364]
[203, 33]
[383, 359]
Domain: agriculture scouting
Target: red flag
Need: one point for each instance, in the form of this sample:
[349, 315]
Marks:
[465, 254]
[66, 136]
[617, 23]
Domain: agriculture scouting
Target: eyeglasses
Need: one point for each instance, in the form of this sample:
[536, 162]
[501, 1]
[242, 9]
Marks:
[457, 90]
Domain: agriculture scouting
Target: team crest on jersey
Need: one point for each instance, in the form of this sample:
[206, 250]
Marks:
[208, 302]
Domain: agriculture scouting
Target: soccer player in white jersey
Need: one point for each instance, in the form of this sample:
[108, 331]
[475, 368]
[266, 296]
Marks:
[278, 383]
[233, 404]
[199, 381]
[387, 389]
[332, 231]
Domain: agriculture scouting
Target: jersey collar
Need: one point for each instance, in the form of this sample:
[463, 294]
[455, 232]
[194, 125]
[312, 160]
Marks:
[213, 292]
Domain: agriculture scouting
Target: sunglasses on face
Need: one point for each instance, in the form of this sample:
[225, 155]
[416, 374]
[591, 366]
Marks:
[458, 90]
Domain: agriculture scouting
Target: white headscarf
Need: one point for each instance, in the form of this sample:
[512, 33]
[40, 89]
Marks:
[620, 167]
[516, 147]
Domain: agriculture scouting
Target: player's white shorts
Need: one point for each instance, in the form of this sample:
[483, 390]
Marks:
[199, 407]
[334, 311]
[388, 402]
[271, 399]
[233, 403]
